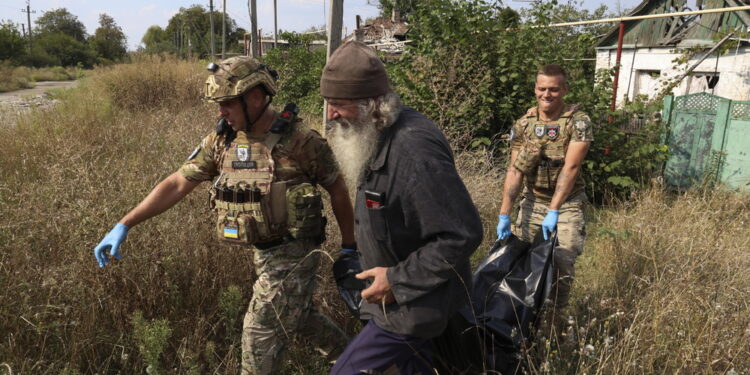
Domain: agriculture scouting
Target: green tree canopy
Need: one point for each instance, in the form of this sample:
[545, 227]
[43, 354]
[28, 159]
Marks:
[61, 21]
[65, 49]
[108, 41]
[12, 45]
[156, 40]
[193, 24]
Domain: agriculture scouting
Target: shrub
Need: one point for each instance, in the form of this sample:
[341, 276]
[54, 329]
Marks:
[154, 82]
[299, 77]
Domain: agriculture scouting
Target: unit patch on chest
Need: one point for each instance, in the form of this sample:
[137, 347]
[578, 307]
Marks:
[539, 131]
[243, 152]
[552, 131]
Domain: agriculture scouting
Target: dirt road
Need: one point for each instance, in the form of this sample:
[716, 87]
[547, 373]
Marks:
[15, 104]
[40, 88]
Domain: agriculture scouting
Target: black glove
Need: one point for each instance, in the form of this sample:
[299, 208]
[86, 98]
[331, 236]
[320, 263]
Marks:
[344, 270]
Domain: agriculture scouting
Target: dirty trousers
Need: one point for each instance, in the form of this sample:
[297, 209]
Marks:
[571, 233]
[281, 307]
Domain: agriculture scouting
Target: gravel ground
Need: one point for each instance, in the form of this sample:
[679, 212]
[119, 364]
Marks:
[13, 104]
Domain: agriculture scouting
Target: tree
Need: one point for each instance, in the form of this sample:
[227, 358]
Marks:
[156, 40]
[65, 50]
[61, 21]
[108, 41]
[12, 46]
[191, 27]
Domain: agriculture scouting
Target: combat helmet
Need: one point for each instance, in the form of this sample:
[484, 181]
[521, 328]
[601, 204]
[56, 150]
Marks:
[234, 76]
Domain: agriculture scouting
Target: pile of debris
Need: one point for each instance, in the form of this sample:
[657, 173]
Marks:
[383, 34]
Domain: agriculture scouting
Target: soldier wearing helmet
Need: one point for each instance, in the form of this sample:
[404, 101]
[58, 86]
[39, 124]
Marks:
[265, 167]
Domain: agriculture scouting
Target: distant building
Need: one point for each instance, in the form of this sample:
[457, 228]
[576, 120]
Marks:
[651, 45]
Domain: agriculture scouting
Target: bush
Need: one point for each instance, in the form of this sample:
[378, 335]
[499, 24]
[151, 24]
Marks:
[153, 82]
[13, 77]
[299, 77]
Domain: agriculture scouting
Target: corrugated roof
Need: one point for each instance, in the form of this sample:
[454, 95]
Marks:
[683, 31]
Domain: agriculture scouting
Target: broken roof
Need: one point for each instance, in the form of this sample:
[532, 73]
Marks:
[684, 31]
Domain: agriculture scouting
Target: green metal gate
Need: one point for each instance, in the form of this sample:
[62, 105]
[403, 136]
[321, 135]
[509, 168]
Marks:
[707, 134]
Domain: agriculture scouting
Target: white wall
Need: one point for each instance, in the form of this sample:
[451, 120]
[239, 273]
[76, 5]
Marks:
[733, 69]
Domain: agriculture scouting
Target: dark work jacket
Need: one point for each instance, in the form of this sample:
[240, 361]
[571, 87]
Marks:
[425, 229]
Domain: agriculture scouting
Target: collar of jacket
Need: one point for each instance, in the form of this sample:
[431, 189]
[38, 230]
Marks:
[384, 145]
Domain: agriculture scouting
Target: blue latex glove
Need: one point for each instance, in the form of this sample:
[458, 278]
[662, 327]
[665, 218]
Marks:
[503, 227]
[550, 223]
[111, 241]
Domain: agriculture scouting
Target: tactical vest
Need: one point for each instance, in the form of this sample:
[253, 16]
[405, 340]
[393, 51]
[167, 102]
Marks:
[251, 207]
[542, 155]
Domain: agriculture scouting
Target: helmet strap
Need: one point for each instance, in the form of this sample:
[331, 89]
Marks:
[249, 124]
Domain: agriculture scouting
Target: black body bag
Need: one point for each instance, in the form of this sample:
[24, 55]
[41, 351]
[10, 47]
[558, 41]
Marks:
[511, 286]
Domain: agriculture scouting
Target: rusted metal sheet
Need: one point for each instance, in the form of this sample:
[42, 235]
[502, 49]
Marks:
[676, 31]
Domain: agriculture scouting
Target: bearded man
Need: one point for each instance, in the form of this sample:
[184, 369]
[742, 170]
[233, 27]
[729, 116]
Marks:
[415, 223]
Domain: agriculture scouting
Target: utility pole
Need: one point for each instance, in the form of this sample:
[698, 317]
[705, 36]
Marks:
[23, 28]
[28, 12]
[253, 29]
[223, 29]
[275, 27]
[211, 19]
[335, 20]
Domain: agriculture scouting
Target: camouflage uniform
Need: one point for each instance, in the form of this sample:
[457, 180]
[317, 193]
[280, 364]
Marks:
[541, 147]
[281, 305]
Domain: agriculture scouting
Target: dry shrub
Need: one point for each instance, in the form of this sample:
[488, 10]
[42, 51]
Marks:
[663, 288]
[14, 77]
[154, 81]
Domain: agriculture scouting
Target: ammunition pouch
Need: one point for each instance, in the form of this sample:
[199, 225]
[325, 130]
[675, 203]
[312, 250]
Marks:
[528, 158]
[246, 217]
[547, 172]
[305, 212]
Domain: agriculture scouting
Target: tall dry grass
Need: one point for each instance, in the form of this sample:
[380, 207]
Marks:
[662, 286]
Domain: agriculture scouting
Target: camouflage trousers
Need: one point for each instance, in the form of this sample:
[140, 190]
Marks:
[571, 233]
[281, 307]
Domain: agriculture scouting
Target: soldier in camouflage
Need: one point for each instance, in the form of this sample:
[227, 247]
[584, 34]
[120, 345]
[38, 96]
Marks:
[265, 166]
[548, 146]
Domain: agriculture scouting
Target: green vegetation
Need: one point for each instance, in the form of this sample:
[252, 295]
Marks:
[188, 34]
[299, 71]
[59, 38]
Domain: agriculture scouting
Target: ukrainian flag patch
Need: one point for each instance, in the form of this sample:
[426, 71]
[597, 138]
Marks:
[231, 233]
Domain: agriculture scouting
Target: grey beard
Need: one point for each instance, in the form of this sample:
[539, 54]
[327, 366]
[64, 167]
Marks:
[353, 143]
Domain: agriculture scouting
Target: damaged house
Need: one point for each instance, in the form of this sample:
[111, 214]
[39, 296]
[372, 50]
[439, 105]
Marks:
[651, 45]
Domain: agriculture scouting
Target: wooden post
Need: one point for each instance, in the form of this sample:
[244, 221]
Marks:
[224, 30]
[335, 21]
[211, 20]
[275, 27]
[253, 28]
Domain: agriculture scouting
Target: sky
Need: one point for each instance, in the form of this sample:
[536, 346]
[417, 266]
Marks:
[135, 16]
